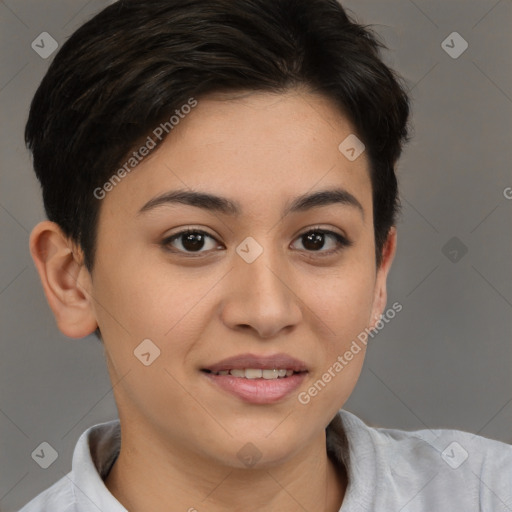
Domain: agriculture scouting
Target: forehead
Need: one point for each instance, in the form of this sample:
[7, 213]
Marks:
[253, 148]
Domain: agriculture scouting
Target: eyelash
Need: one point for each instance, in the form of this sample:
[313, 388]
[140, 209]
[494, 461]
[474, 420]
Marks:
[341, 241]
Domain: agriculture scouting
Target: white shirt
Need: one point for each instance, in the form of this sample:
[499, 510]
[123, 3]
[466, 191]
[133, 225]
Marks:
[389, 470]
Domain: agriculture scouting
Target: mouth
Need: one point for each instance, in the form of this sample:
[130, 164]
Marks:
[257, 373]
[251, 366]
[257, 379]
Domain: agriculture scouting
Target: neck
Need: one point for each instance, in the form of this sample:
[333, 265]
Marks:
[148, 477]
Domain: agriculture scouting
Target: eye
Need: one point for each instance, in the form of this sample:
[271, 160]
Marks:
[193, 240]
[314, 240]
[190, 240]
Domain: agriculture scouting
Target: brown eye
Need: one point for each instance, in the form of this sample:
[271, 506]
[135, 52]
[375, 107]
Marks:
[193, 241]
[317, 239]
[190, 240]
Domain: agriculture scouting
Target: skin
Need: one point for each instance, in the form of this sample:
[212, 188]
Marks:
[180, 433]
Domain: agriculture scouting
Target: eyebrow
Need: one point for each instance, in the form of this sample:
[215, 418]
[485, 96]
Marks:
[227, 206]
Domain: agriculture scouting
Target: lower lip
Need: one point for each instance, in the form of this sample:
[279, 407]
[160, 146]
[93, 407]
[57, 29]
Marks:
[258, 391]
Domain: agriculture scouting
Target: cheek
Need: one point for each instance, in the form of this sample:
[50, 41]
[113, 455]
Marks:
[342, 302]
[151, 302]
[147, 299]
[342, 307]
[148, 330]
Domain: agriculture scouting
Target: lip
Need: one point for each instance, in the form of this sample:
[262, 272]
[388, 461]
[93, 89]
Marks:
[258, 391]
[269, 362]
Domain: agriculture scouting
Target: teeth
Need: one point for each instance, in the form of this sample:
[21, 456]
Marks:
[256, 373]
[253, 374]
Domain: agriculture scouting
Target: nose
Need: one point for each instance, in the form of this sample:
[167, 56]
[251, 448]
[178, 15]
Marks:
[260, 296]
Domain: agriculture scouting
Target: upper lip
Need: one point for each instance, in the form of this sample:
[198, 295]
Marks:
[242, 361]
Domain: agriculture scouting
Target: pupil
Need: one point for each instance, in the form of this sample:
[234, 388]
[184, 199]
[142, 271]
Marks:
[193, 241]
[314, 238]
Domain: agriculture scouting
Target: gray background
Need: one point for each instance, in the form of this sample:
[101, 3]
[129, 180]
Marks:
[446, 358]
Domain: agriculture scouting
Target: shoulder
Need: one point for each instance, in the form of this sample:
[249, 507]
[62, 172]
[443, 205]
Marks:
[93, 455]
[447, 447]
[57, 498]
[431, 465]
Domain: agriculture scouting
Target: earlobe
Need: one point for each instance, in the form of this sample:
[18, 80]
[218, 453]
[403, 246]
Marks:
[66, 281]
[380, 297]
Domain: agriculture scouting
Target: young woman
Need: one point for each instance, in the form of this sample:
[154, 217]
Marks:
[219, 179]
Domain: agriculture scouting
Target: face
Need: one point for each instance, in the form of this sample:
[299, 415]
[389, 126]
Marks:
[288, 282]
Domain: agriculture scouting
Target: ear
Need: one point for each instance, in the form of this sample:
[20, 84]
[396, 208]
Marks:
[380, 297]
[66, 282]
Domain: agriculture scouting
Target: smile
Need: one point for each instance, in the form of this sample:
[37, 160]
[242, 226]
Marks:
[257, 373]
